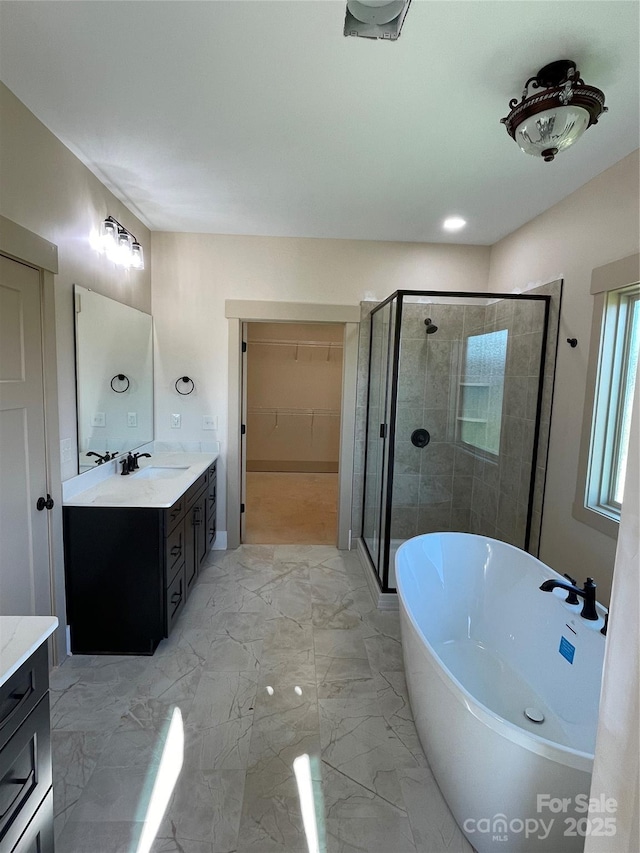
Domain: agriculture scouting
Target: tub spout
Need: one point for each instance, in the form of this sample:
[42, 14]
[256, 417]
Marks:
[588, 593]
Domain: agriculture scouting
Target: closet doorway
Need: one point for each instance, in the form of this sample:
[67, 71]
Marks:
[292, 402]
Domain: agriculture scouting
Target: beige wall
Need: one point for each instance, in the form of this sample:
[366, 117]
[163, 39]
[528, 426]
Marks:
[193, 274]
[597, 224]
[45, 188]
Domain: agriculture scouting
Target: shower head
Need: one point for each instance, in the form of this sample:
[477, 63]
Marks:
[430, 327]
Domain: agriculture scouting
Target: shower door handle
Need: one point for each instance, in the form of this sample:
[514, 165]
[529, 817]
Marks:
[383, 430]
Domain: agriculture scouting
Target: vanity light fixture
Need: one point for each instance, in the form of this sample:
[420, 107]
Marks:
[375, 19]
[454, 223]
[119, 245]
[545, 123]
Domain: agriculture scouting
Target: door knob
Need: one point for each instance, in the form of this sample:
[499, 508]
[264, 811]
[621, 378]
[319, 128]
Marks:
[44, 503]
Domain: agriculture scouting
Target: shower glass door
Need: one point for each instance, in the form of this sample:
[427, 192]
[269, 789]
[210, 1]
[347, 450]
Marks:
[471, 377]
[376, 452]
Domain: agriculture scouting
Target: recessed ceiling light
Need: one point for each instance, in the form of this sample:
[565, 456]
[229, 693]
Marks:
[454, 223]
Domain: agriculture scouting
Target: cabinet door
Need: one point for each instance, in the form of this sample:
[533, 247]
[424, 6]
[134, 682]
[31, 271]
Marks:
[196, 538]
[211, 507]
[190, 564]
[176, 597]
[201, 529]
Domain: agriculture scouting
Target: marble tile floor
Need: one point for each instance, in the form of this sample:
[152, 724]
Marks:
[278, 656]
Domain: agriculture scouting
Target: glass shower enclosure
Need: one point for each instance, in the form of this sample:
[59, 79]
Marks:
[455, 391]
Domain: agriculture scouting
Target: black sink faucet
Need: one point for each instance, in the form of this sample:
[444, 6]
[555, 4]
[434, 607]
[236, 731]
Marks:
[588, 593]
[106, 458]
[137, 456]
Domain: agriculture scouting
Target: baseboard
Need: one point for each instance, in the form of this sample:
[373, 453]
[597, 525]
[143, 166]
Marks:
[288, 467]
[221, 541]
[382, 600]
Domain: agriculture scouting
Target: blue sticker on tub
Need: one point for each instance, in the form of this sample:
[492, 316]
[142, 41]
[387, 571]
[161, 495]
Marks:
[567, 650]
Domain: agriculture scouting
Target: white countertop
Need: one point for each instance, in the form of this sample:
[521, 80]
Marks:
[20, 636]
[134, 490]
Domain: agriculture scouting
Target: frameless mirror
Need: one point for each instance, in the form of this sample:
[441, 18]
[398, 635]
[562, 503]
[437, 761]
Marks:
[114, 377]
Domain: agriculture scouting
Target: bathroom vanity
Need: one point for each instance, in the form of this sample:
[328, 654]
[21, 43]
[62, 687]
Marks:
[133, 548]
[26, 795]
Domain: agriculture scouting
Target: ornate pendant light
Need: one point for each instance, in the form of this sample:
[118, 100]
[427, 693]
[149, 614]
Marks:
[547, 122]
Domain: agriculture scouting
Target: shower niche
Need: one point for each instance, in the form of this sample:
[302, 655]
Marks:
[458, 406]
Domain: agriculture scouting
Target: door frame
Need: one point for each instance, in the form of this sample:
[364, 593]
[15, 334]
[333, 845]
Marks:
[21, 245]
[239, 311]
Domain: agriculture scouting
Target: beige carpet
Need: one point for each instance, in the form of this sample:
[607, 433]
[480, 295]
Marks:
[291, 509]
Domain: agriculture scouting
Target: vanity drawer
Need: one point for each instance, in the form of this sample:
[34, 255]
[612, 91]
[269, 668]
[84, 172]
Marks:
[194, 490]
[22, 692]
[38, 836]
[175, 512]
[25, 774]
[175, 548]
[176, 597]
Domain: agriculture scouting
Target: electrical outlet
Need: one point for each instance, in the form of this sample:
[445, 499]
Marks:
[99, 419]
[132, 419]
[176, 421]
[209, 422]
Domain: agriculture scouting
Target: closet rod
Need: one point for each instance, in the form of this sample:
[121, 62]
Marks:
[268, 342]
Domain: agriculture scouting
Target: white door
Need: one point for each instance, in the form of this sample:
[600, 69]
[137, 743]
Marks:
[25, 581]
[243, 437]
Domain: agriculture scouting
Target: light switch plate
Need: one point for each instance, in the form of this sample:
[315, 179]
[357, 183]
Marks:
[209, 422]
[132, 419]
[176, 421]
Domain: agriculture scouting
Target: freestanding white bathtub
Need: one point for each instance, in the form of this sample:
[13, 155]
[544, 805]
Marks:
[483, 647]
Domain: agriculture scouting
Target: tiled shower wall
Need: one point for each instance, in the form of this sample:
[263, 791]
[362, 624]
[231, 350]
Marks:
[423, 481]
[447, 486]
[500, 494]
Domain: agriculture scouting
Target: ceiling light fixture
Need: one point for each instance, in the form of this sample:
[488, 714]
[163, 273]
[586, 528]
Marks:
[548, 122]
[119, 245]
[454, 223]
[375, 19]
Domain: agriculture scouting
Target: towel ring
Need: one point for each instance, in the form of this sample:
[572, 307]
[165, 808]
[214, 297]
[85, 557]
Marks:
[121, 378]
[186, 381]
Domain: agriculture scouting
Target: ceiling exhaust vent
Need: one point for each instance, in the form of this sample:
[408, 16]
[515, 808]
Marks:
[375, 19]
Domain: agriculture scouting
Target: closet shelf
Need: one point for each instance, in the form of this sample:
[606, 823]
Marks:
[257, 410]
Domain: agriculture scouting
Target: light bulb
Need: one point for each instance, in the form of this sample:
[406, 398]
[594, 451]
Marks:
[124, 249]
[108, 236]
[137, 256]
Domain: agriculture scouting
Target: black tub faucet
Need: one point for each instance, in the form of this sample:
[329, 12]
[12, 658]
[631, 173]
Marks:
[588, 593]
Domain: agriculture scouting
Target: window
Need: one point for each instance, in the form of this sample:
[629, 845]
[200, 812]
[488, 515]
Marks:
[615, 381]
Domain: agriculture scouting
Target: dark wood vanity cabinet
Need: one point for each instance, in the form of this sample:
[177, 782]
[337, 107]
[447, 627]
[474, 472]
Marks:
[26, 800]
[129, 570]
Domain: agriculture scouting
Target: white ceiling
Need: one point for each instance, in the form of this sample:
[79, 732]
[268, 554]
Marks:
[245, 117]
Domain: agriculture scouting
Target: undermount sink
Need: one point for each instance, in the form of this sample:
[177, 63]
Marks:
[160, 472]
